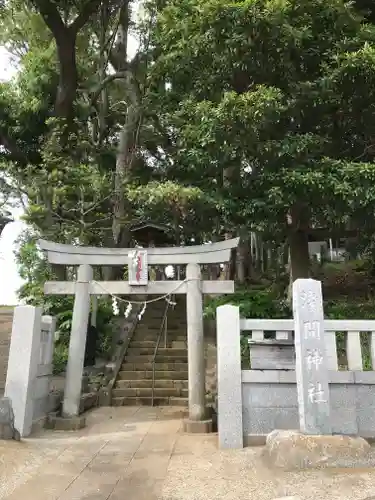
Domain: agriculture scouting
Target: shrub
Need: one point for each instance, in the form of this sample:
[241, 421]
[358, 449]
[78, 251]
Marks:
[253, 303]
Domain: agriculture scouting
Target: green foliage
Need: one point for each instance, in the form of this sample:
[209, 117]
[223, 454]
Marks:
[264, 304]
[248, 109]
[274, 92]
[345, 309]
[35, 271]
[60, 357]
[257, 304]
[175, 205]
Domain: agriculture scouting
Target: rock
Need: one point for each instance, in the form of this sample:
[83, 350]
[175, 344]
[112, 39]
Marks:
[294, 450]
[287, 498]
[7, 429]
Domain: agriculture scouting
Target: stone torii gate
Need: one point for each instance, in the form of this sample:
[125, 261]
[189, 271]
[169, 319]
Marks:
[138, 260]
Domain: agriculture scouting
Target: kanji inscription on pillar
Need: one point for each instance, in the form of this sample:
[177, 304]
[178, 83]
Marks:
[311, 365]
[138, 268]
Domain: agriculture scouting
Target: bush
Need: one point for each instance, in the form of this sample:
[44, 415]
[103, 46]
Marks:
[345, 309]
[254, 303]
[60, 358]
[265, 304]
[105, 328]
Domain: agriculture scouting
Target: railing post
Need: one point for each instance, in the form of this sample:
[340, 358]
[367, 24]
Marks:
[196, 359]
[77, 344]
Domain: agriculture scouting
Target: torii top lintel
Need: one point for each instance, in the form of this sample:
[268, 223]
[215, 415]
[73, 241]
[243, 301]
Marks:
[70, 255]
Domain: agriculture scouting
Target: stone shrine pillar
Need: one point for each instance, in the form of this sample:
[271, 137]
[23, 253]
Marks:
[311, 362]
[196, 361]
[77, 344]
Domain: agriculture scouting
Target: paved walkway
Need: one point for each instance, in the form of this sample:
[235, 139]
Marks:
[141, 454]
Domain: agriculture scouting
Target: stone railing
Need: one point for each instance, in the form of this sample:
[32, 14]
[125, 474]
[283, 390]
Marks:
[357, 347]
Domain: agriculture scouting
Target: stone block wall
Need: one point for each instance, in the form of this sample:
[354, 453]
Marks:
[269, 401]
[6, 319]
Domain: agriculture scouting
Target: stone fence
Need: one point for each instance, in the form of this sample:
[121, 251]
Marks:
[30, 368]
[252, 403]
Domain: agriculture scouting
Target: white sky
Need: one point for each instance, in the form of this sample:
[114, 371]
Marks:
[9, 278]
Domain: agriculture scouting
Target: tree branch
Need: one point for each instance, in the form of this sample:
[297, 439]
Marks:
[107, 80]
[87, 11]
[51, 16]
[53, 20]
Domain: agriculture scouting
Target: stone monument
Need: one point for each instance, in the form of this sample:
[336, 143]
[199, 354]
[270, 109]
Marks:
[311, 365]
[313, 445]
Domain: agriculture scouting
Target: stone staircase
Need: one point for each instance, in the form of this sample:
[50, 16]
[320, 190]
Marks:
[6, 320]
[133, 386]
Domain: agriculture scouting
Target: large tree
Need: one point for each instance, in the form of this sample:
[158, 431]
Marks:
[265, 102]
[77, 139]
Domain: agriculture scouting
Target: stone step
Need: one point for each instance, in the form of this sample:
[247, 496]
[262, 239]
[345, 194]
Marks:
[147, 401]
[139, 401]
[160, 358]
[174, 319]
[179, 344]
[159, 392]
[177, 366]
[179, 401]
[153, 338]
[143, 343]
[6, 320]
[154, 332]
[159, 375]
[171, 344]
[179, 330]
[168, 352]
[5, 329]
[147, 384]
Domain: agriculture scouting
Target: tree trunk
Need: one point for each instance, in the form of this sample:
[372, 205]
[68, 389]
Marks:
[68, 78]
[298, 222]
[125, 152]
[241, 254]
[299, 254]
[128, 134]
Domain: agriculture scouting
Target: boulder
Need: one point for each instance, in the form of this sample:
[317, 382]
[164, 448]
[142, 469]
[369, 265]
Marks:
[287, 498]
[7, 429]
[295, 450]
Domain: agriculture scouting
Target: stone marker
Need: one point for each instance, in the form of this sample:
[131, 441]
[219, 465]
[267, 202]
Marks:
[7, 430]
[311, 365]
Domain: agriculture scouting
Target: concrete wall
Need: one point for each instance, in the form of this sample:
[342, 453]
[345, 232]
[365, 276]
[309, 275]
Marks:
[6, 319]
[269, 401]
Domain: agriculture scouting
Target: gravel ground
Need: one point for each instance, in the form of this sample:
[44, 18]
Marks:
[141, 453]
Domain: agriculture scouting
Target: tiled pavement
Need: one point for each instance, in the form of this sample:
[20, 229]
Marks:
[141, 454]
